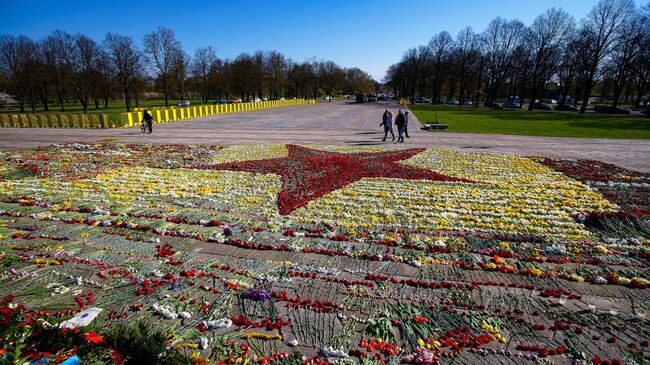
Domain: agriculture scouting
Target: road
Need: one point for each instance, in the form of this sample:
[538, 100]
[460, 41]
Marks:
[339, 123]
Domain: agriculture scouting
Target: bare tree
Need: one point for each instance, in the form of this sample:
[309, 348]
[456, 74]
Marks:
[600, 28]
[641, 71]
[161, 46]
[181, 71]
[545, 38]
[19, 61]
[82, 61]
[500, 40]
[204, 58]
[55, 47]
[125, 62]
[623, 54]
[441, 46]
[467, 54]
[569, 66]
[276, 72]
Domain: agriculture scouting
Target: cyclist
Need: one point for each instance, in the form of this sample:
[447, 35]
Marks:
[148, 119]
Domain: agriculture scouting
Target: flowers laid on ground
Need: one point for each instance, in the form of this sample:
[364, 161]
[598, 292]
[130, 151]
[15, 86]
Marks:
[275, 254]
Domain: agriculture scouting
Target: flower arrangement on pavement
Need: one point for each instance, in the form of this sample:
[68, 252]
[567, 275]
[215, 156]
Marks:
[286, 254]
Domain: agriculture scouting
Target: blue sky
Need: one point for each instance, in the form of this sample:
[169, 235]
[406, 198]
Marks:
[368, 34]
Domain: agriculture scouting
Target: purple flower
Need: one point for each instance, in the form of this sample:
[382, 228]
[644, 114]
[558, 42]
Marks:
[227, 231]
[259, 295]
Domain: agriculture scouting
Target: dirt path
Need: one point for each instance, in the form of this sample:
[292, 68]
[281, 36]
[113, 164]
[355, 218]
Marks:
[338, 123]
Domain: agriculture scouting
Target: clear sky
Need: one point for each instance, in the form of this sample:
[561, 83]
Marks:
[370, 34]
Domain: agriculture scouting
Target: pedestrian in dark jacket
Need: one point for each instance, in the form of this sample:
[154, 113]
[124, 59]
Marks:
[388, 124]
[406, 124]
[147, 118]
[400, 121]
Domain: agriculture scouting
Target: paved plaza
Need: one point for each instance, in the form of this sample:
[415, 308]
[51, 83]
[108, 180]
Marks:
[338, 123]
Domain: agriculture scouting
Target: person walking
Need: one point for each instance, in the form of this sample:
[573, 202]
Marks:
[399, 122]
[406, 124]
[388, 124]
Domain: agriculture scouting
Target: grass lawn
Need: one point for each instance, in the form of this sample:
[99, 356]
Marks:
[536, 123]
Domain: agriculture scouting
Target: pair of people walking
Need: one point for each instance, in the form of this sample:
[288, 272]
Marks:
[401, 121]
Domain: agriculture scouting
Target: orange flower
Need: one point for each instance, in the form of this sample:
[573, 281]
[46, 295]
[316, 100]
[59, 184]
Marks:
[498, 260]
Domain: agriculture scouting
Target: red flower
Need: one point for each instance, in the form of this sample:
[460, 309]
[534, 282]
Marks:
[93, 338]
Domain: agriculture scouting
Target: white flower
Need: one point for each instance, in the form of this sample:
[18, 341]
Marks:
[203, 343]
[330, 351]
[599, 280]
[219, 323]
[164, 311]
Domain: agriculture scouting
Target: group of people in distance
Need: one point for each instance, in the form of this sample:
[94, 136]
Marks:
[401, 121]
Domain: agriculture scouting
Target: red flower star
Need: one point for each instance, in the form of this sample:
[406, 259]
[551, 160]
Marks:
[309, 174]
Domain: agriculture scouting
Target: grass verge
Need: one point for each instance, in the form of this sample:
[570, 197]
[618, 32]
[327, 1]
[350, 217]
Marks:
[535, 123]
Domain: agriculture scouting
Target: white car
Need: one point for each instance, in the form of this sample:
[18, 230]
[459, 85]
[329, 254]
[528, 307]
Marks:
[183, 103]
[257, 100]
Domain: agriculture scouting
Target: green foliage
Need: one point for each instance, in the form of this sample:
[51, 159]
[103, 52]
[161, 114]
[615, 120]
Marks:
[139, 343]
[381, 327]
[535, 123]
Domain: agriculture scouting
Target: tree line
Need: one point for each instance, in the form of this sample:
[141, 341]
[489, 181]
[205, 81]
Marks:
[607, 52]
[63, 68]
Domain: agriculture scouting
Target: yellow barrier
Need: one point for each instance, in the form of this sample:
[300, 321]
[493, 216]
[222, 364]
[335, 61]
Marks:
[131, 119]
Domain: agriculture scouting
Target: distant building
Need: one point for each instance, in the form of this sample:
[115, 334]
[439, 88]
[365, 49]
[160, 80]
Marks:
[7, 101]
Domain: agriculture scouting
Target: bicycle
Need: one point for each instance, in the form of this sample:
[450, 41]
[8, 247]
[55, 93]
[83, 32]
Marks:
[144, 127]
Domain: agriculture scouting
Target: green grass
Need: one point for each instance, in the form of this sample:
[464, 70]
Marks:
[535, 123]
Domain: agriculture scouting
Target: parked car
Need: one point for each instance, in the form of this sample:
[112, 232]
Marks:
[542, 106]
[362, 98]
[493, 105]
[235, 101]
[451, 102]
[382, 97]
[351, 97]
[422, 100]
[566, 108]
[221, 101]
[372, 98]
[608, 109]
[256, 100]
[183, 103]
[467, 102]
[512, 105]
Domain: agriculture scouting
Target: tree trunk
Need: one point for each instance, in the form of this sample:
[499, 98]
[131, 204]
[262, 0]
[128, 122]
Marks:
[587, 91]
[43, 96]
[166, 92]
[61, 99]
[127, 99]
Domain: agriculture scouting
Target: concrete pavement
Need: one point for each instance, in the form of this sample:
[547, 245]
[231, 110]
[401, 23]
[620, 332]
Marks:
[339, 123]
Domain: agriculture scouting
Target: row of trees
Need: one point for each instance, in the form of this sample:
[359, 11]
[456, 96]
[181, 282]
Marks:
[609, 48]
[62, 68]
